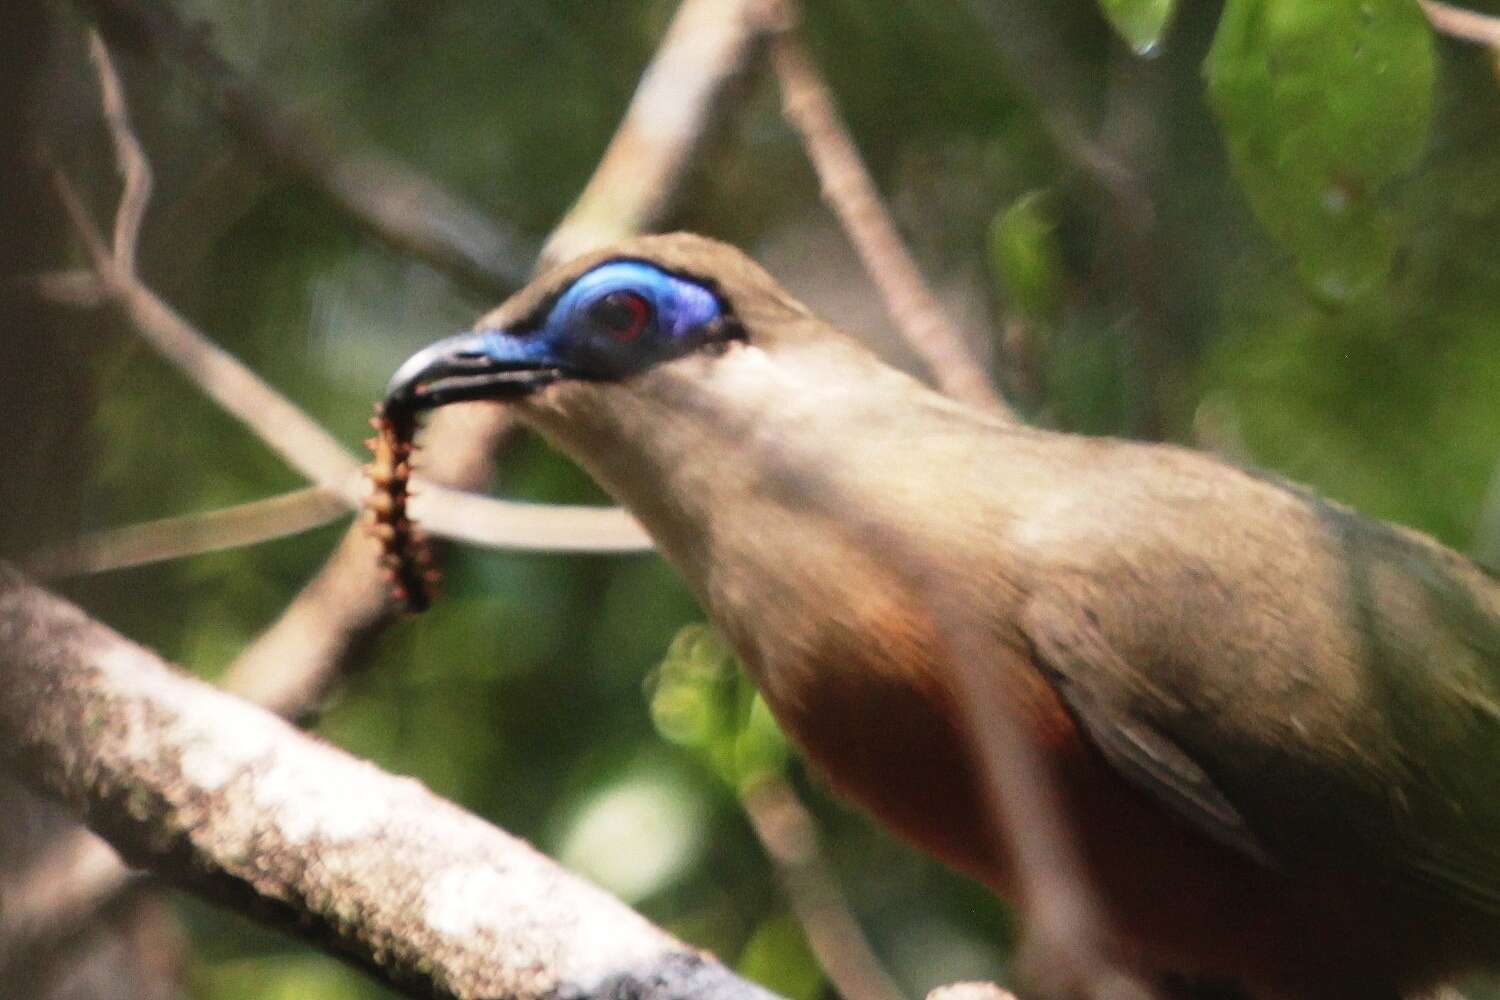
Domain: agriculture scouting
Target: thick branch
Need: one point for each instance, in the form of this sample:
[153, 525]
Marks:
[403, 207]
[226, 800]
[293, 664]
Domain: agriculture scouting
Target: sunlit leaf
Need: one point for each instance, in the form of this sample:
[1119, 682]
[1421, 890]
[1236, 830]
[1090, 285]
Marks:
[761, 748]
[701, 700]
[1141, 23]
[1321, 104]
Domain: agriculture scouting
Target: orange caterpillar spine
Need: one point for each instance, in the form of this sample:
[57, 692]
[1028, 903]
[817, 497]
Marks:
[406, 558]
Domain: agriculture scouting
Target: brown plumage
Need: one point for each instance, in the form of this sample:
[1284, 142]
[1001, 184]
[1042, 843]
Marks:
[1275, 725]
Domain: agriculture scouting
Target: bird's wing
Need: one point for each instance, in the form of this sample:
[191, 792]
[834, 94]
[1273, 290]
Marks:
[1436, 826]
[1075, 656]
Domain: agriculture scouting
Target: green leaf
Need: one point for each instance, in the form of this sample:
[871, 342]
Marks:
[1141, 23]
[761, 749]
[1322, 102]
[778, 957]
[701, 700]
[1026, 258]
[692, 691]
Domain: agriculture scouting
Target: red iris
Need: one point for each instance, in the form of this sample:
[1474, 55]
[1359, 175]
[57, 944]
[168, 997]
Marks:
[624, 314]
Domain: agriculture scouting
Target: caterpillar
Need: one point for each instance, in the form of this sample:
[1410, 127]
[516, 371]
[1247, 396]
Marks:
[406, 558]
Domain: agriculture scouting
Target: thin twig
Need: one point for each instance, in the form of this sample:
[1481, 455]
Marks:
[701, 63]
[346, 604]
[402, 207]
[189, 535]
[292, 665]
[789, 835]
[852, 194]
[1465, 25]
[453, 514]
[277, 421]
[129, 157]
[1044, 65]
[285, 428]
[79, 288]
[83, 225]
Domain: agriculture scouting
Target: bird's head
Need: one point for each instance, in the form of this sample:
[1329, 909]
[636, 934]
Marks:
[606, 317]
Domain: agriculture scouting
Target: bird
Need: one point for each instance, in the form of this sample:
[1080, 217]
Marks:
[1272, 725]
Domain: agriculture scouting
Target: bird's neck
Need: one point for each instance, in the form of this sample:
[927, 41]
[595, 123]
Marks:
[762, 474]
[830, 514]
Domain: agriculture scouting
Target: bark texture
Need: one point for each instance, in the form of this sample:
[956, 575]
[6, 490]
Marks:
[227, 800]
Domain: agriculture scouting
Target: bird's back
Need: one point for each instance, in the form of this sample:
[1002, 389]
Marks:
[1329, 681]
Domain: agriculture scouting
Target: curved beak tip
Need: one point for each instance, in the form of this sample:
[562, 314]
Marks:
[404, 384]
[470, 366]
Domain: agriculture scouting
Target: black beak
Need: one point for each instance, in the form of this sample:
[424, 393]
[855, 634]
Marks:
[478, 365]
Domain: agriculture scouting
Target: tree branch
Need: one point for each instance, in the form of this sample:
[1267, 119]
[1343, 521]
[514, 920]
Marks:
[191, 534]
[229, 802]
[292, 665]
[285, 428]
[129, 157]
[1043, 63]
[851, 192]
[789, 835]
[346, 605]
[402, 207]
[273, 418]
[700, 67]
[295, 663]
[1465, 25]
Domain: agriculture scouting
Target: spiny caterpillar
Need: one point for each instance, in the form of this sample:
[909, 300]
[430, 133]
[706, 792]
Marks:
[405, 557]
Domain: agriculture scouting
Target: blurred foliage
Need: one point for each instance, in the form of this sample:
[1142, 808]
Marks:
[1319, 265]
[702, 700]
[1141, 23]
[1027, 259]
[1321, 105]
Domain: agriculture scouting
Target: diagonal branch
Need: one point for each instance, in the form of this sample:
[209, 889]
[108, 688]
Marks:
[1465, 25]
[284, 427]
[129, 157]
[276, 420]
[238, 807]
[700, 66]
[789, 835]
[292, 666]
[852, 194]
[706, 53]
[402, 207]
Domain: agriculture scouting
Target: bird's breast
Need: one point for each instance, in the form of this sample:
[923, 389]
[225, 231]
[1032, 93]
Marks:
[861, 678]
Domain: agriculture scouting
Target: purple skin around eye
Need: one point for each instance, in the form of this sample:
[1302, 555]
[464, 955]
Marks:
[682, 306]
[623, 317]
[695, 307]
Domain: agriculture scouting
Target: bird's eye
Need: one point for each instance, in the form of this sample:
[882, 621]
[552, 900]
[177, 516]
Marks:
[623, 314]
